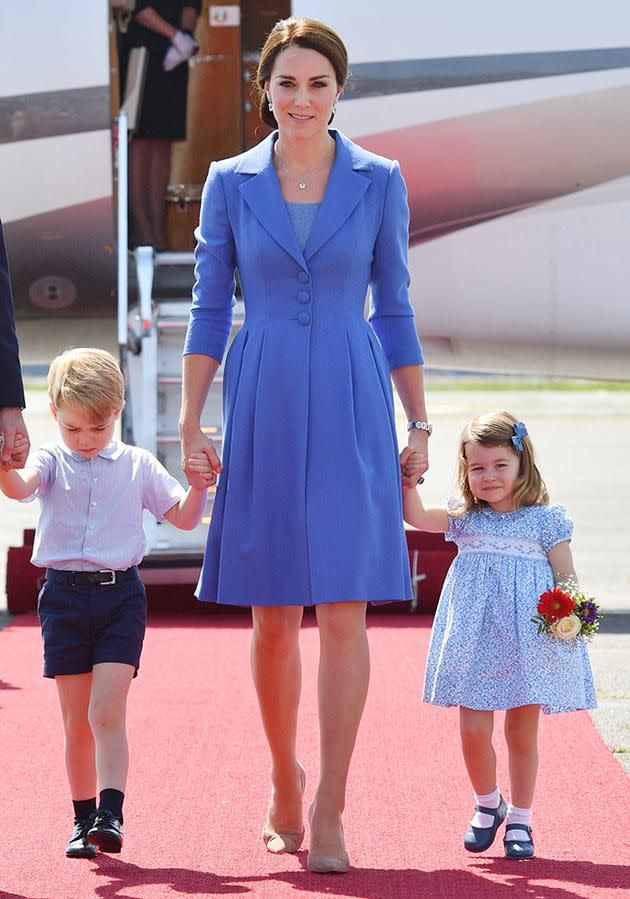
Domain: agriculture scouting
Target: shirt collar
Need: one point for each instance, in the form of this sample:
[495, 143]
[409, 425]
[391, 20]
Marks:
[113, 451]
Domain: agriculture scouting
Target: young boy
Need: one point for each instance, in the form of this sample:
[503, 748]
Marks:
[92, 607]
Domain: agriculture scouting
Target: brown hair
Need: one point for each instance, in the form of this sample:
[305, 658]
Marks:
[87, 379]
[497, 429]
[308, 33]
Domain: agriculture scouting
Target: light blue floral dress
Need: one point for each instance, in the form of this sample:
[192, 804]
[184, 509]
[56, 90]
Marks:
[485, 651]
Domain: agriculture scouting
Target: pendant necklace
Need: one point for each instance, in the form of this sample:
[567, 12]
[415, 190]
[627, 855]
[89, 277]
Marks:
[302, 184]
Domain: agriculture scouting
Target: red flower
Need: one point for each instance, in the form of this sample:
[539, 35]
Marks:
[555, 604]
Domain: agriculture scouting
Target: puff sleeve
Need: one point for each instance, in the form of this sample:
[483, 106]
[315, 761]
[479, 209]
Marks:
[210, 320]
[457, 519]
[391, 315]
[556, 527]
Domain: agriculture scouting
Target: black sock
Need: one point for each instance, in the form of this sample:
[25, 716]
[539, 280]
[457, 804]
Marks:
[111, 801]
[83, 808]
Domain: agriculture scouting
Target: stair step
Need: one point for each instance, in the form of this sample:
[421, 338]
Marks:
[173, 258]
[180, 324]
[177, 379]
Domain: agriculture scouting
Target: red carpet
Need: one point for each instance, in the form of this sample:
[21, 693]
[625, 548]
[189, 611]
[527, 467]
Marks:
[198, 784]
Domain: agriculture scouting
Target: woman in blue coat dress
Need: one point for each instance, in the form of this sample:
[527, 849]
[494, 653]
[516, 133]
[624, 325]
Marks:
[308, 506]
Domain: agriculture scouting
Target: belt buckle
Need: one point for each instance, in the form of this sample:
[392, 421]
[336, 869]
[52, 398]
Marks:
[112, 578]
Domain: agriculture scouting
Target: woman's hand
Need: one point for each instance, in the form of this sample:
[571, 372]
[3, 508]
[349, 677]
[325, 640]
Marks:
[14, 442]
[417, 462]
[200, 462]
[411, 467]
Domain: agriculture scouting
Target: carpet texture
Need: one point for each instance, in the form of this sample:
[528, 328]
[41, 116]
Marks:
[198, 784]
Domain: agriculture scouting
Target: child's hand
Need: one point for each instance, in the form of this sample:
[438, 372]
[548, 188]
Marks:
[411, 464]
[200, 464]
[20, 452]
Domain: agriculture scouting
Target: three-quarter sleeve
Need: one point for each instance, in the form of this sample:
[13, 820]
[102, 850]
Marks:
[210, 320]
[391, 315]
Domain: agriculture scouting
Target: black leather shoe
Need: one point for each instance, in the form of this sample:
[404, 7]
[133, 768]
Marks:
[515, 848]
[106, 832]
[79, 845]
[478, 839]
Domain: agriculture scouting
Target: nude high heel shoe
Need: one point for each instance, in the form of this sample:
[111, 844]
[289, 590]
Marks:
[279, 842]
[320, 863]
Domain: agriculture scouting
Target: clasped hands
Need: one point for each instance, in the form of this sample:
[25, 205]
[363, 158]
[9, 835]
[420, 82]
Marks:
[199, 471]
[413, 464]
[183, 46]
[14, 442]
[200, 461]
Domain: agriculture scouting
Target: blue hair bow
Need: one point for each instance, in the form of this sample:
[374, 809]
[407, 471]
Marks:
[520, 431]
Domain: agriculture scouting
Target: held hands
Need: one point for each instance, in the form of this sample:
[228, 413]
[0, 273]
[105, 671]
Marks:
[14, 442]
[199, 465]
[200, 462]
[183, 46]
[413, 464]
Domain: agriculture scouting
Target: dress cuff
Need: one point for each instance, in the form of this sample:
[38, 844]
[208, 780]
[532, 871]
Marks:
[399, 339]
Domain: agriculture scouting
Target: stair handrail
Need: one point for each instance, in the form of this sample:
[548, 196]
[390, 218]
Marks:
[128, 115]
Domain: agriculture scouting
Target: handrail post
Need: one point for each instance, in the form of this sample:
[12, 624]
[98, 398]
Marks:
[123, 277]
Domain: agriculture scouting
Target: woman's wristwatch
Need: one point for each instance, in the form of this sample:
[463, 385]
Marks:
[420, 426]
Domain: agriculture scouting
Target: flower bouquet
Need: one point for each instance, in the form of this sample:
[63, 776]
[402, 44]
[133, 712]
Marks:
[566, 613]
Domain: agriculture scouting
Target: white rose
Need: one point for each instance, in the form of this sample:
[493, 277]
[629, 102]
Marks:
[566, 628]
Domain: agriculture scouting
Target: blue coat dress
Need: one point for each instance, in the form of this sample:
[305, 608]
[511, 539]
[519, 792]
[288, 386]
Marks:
[308, 507]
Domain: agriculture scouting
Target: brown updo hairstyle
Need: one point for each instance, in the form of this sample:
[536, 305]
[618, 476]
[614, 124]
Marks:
[308, 33]
[497, 429]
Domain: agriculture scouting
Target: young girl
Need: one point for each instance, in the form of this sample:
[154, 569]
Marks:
[485, 652]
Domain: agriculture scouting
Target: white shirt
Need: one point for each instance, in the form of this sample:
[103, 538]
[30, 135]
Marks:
[92, 509]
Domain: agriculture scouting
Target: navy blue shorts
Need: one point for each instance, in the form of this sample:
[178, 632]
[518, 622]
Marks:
[88, 624]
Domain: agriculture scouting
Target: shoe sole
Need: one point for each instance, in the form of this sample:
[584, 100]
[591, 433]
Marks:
[520, 858]
[105, 842]
[82, 853]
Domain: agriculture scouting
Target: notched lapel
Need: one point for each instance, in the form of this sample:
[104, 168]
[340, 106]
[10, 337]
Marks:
[263, 196]
[345, 187]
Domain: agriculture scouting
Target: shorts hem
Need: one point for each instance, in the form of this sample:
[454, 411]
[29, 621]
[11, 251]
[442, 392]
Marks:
[51, 672]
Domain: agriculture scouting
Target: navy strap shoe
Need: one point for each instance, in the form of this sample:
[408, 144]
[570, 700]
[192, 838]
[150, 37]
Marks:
[79, 845]
[478, 839]
[106, 832]
[515, 848]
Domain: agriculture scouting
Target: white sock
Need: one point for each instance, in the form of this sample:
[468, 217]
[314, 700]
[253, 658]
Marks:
[487, 800]
[519, 816]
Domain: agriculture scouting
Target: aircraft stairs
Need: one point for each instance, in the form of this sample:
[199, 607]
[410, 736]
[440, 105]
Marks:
[153, 360]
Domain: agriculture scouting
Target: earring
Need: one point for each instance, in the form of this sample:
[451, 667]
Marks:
[270, 106]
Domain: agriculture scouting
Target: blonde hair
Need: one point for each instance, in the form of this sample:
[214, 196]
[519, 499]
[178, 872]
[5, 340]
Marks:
[87, 379]
[298, 32]
[497, 429]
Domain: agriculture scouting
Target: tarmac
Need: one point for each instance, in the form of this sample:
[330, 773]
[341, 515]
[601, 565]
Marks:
[581, 439]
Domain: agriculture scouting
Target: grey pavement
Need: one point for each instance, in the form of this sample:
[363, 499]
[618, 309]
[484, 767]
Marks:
[581, 440]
